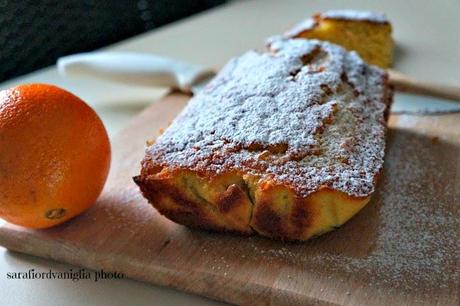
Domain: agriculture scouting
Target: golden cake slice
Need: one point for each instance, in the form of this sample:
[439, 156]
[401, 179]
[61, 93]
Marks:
[368, 33]
[287, 144]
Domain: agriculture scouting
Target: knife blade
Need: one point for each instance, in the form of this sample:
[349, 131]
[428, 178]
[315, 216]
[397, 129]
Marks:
[405, 103]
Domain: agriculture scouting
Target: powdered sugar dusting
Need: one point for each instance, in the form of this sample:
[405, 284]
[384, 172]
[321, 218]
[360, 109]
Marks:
[356, 15]
[405, 242]
[314, 110]
[416, 245]
[304, 25]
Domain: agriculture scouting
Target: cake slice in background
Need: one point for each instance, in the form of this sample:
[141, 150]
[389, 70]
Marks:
[368, 33]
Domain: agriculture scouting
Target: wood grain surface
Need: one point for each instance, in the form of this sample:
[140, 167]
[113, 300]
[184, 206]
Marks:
[400, 249]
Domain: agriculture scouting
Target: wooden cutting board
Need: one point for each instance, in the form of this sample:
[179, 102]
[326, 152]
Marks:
[400, 249]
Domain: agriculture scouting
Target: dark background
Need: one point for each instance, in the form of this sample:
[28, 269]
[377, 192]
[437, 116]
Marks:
[34, 33]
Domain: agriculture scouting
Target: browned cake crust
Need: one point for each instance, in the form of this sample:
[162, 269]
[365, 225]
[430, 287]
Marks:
[287, 143]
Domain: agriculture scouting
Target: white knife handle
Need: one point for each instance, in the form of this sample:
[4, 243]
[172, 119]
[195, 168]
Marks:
[134, 68]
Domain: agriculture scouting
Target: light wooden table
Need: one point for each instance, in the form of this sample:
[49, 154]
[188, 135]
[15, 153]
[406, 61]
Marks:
[428, 40]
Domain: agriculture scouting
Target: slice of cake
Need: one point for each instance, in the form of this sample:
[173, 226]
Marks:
[368, 33]
[287, 144]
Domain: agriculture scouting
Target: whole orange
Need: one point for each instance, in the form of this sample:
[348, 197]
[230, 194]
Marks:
[54, 155]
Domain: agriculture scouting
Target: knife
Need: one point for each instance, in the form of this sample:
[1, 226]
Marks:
[137, 69]
[159, 71]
